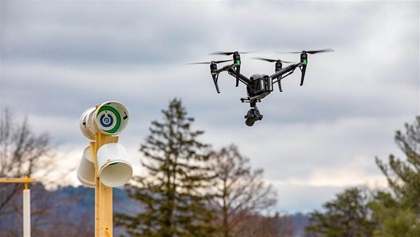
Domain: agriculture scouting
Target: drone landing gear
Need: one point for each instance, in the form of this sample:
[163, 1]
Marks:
[253, 114]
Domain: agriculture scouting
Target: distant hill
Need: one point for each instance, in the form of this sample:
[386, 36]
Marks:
[69, 211]
[299, 222]
[66, 211]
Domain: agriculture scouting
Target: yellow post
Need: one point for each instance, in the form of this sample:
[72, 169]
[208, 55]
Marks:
[103, 193]
[17, 180]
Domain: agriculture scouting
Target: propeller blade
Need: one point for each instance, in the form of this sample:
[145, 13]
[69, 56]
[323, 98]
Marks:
[217, 62]
[320, 51]
[311, 51]
[271, 60]
[227, 53]
[296, 52]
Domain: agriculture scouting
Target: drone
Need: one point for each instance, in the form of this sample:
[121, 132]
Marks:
[258, 86]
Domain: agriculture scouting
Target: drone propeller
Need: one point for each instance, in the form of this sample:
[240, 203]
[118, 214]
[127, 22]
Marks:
[313, 51]
[213, 69]
[271, 60]
[278, 66]
[227, 53]
[216, 62]
[236, 60]
[304, 59]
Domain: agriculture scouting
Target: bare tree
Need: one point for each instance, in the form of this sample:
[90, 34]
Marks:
[267, 226]
[52, 213]
[22, 153]
[241, 192]
[26, 153]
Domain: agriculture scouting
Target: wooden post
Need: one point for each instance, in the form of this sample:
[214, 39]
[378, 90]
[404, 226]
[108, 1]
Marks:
[17, 180]
[103, 193]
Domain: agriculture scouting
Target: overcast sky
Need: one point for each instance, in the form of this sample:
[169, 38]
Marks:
[61, 58]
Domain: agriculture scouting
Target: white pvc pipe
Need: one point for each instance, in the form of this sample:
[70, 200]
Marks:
[26, 213]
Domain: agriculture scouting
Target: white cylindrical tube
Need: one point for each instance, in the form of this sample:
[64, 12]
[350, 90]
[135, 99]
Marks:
[26, 213]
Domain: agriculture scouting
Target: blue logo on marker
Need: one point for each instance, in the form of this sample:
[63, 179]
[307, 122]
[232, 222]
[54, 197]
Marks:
[106, 121]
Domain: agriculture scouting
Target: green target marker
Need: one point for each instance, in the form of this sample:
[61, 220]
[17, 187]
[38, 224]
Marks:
[115, 128]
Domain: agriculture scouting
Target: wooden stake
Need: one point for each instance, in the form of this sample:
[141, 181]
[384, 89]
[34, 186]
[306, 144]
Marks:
[17, 180]
[103, 193]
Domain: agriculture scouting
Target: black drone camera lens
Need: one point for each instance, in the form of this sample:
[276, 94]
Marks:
[250, 121]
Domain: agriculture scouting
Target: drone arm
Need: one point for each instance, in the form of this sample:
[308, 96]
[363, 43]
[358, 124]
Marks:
[288, 69]
[284, 72]
[225, 68]
[239, 76]
[281, 78]
[231, 69]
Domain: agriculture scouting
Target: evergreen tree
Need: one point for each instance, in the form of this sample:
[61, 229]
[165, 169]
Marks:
[398, 213]
[404, 175]
[395, 214]
[346, 216]
[174, 191]
[394, 219]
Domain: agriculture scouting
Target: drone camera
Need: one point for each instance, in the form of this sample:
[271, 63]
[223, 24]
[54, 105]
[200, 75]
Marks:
[250, 122]
[252, 116]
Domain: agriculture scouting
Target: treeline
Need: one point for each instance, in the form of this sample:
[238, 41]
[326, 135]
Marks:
[69, 211]
[189, 189]
[392, 212]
